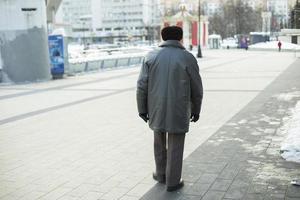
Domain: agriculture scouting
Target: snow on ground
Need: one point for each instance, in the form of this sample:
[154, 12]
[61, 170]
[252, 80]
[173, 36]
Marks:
[77, 54]
[273, 45]
[287, 96]
[290, 147]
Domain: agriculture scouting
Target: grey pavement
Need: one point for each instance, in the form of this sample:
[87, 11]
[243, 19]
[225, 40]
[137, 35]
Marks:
[242, 159]
[80, 137]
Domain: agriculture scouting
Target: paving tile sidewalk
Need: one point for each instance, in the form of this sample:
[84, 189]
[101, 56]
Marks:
[242, 160]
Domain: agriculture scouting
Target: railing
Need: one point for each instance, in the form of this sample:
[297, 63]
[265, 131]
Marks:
[107, 63]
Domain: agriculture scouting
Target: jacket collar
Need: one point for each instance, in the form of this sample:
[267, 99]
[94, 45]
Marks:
[172, 43]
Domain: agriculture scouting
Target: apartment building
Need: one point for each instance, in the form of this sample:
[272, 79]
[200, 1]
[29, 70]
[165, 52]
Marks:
[110, 19]
[75, 14]
[280, 13]
[211, 7]
[278, 7]
[125, 19]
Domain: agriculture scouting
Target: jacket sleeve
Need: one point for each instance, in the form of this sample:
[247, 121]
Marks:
[196, 86]
[142, 89]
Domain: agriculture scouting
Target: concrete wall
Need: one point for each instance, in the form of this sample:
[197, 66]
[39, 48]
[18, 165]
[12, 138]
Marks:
[286, 35]
[23, 40]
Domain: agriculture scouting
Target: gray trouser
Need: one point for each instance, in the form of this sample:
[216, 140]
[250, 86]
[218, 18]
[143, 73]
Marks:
[169, 160]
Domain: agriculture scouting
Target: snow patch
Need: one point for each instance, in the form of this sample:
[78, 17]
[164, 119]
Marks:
[270, 171]
[243, 121]
[274, 45]
[290, 147]
[77, 53]
[287, 96]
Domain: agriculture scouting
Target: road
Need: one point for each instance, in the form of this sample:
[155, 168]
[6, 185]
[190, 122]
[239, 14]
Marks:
[81, 138]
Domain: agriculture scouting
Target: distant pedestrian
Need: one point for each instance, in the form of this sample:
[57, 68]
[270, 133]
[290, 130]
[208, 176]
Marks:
[246, 46]
[247, 43]
[169, 95]
[279, 46]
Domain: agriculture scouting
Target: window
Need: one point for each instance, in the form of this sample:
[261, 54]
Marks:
[80, 29]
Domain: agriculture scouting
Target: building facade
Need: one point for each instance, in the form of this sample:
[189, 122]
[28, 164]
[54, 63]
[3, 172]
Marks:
[111, 20]
[280, 14]
[212, 7]
[75, 17]
[126, 20]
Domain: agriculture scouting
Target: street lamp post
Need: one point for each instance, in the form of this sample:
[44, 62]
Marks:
[149, 34]
[199, 54]
[83, 31]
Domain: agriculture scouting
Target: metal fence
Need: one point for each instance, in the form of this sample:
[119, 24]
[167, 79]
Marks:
[104, 64]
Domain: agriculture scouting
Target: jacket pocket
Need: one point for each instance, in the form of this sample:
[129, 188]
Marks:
[184, 90]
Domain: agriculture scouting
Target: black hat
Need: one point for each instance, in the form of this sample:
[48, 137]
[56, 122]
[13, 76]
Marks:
[172, 33]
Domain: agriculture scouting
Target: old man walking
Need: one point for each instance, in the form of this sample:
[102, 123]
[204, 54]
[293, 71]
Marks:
[169, 95]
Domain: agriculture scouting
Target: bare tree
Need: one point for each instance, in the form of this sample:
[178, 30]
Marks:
[236, 18]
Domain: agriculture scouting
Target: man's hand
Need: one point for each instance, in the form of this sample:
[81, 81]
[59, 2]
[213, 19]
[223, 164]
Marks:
[144, 116]
[194, 117]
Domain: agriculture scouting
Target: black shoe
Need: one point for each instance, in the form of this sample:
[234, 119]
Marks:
[160, 179]
[176, 187]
